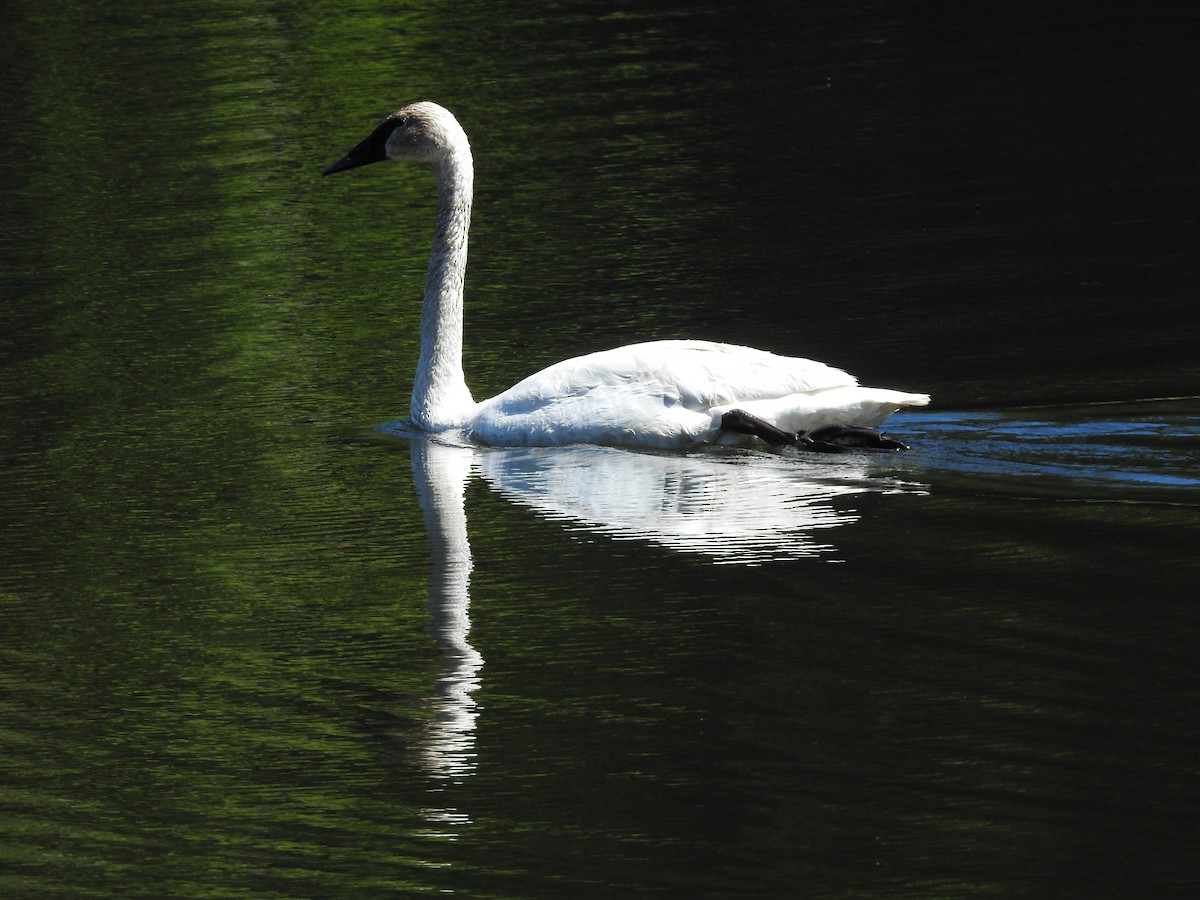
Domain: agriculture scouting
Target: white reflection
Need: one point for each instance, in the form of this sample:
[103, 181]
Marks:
[734, 508]
[448, 745]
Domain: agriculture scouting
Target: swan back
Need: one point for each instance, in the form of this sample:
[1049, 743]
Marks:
[697, 374]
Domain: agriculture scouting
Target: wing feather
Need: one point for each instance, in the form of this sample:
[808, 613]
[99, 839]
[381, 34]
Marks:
[698, 374]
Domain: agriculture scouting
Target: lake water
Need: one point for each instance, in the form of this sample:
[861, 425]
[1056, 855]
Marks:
[259, 639]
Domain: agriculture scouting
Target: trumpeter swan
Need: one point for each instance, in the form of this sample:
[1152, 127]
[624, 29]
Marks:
[666, 394]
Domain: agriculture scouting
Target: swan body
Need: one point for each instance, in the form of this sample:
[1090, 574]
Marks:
[661, 394]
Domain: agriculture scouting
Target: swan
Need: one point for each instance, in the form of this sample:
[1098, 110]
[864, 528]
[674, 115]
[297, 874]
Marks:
[660, 394]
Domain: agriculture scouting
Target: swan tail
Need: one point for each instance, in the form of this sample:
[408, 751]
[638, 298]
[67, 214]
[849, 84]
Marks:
[900, 398]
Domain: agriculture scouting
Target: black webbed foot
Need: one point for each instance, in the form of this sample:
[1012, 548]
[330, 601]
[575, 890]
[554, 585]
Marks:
[741, 422]
[806, 442]
[827, 439]
[837, 438]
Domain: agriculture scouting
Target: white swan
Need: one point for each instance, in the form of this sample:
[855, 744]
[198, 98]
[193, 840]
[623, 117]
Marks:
[666, 394]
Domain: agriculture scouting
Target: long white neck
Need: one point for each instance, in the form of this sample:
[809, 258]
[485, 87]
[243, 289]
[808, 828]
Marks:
[440, 397]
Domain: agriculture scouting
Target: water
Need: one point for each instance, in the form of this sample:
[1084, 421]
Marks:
[257, 639]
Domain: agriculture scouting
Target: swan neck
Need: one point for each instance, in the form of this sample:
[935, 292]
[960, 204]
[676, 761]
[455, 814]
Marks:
[440, 398]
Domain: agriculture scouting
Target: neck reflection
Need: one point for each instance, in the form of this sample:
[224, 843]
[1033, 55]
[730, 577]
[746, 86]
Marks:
[441, 473]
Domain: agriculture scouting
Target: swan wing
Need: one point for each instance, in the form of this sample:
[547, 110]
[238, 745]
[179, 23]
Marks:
[699, 374]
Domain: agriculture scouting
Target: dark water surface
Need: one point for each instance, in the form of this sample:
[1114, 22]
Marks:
[252, 644]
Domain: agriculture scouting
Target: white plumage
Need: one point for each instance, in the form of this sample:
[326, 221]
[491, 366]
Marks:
[664, 394]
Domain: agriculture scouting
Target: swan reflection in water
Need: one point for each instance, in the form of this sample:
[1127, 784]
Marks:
[739, 508]
[734, 508]
[447, 747]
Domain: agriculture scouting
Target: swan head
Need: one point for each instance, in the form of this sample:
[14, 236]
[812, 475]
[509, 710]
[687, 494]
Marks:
[420, 132]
